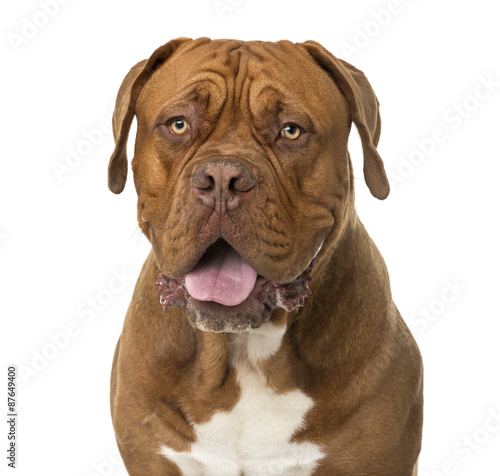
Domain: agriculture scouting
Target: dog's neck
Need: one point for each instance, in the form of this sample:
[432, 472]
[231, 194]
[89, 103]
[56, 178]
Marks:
[344, 264]
[352, 282]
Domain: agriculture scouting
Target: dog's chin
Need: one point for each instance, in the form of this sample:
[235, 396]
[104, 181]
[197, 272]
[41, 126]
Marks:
[211, 316]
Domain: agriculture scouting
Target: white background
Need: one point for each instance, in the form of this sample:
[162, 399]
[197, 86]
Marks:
[64, 238]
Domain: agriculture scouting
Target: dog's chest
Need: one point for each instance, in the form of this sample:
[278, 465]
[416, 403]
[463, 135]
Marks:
[253, 439]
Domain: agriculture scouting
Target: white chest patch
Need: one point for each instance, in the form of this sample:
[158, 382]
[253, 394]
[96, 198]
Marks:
[253, 439]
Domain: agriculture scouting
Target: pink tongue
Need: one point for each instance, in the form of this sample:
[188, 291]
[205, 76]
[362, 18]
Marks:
[221, 276]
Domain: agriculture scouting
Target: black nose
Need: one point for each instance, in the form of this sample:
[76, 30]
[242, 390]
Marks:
[223, 185]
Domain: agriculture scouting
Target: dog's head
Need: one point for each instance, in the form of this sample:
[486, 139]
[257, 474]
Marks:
[242, 169]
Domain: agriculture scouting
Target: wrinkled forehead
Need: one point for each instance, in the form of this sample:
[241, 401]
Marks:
[253, 74]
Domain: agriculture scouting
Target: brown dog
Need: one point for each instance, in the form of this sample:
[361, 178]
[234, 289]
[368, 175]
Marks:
[273, 345]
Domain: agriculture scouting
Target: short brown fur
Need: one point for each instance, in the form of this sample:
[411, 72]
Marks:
[348, 347]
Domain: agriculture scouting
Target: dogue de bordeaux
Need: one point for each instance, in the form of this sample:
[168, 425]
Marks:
[262, 338]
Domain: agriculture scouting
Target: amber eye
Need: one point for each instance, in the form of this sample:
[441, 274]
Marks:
[291, 132]
[179, 126]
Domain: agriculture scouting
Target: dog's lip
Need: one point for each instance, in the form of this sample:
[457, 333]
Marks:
[223, 308]
[288, 295]
[222, 241]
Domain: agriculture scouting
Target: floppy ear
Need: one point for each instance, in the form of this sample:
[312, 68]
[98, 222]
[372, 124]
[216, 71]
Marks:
[364, 112]
[125, 109]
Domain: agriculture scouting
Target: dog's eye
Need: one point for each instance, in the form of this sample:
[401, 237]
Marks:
[291, 132]
[179, 126]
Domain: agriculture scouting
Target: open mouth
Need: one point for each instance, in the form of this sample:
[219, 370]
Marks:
[223, 285]
[221, 276]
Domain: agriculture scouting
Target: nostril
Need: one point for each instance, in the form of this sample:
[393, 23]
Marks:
[241, 184]
[232, 186]
[210, 184]
[204, 182]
